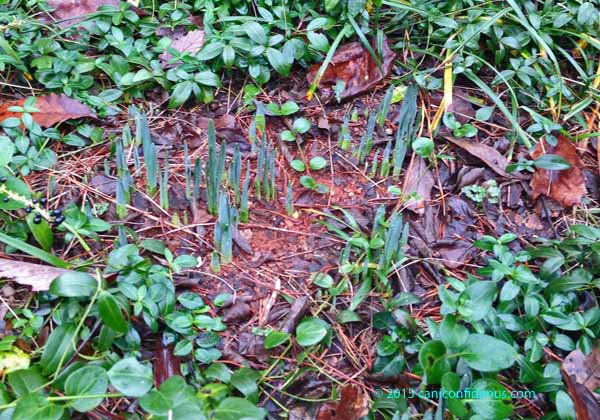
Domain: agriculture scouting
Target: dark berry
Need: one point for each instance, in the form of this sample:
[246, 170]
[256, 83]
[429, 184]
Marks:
[7, 35]
[34, 201]
[43, 201]
[59, 220]
[28, 209]
[3, 179]
[55, 213]
[6, 199]
[37, 220]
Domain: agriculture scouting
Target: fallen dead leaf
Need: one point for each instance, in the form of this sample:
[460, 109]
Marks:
[189, 43]
[354, 65]
[226, 127]
[239, 311]
[462, 109]
[53, 109]
[165, 364]
[37, 276]
[418, 180]
[566, 187]
[490, 156]
[68, 12]
[582, 376]
[352, 405]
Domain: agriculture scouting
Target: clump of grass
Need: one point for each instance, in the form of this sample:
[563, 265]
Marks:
[121, 198]
[374, 164]
[164, 185]
[197, 180]
[225, 227]
[289, 199]
[406, 122]
[264, 182]
[124, 178]
[187, 167]
[385, 106]
[235, 173]
[244, 213]
[143, 137]
[214, 168]
[385, 161]
[344, 134]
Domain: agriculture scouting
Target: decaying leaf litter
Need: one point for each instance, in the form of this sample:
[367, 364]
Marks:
[277, 252]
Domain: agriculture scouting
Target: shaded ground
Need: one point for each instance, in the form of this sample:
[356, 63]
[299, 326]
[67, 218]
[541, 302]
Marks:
[275, 253]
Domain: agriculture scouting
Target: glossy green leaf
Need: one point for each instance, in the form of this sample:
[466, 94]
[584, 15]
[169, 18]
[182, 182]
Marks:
[432, 357]
[131, 377]
[317, 163]
[490, 407]
[275, 338]
[74, 284]
[7, 150]
[234, 408]
[59, 347]
[480, 347]
[110, 312]
[88, 380]
[552, 162]
[37, 407]
[174, 400]
[311, 331]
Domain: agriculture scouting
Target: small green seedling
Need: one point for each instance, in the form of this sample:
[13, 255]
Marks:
[311, 184]
[458, 129]
[288, 108]
[423, 146]
[489, 191]
[300, 126]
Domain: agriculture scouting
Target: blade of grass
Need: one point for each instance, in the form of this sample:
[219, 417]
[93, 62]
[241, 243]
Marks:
[36, 252]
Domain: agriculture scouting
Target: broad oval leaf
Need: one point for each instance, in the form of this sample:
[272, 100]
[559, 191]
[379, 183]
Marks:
[73, 284]
[275, 338]
[59, 347]
[110, 312]
[37, 407]
[488, 354]
[495, 404]
[131, 377]
[88, 380]
[311, 331]
[234, 408]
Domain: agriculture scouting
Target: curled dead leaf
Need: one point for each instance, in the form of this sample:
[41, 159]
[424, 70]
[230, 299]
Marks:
[68, 12]
[37, 276]
[418, 180]
[189, 43]
[53, 109]
[355, 66]
[566, 187]
[352, 405]
[490, 156]
[582, 376]
[165, 364]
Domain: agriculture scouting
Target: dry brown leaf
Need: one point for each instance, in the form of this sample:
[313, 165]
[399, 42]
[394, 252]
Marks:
[68, 12]
[37, 276]
[352, 405]
[52, 110]
[582, 376]
[353, 64]
[566, 187]
[490, 156]
[419, 180]
[166, 364]
[189, 43]
[462, 109]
